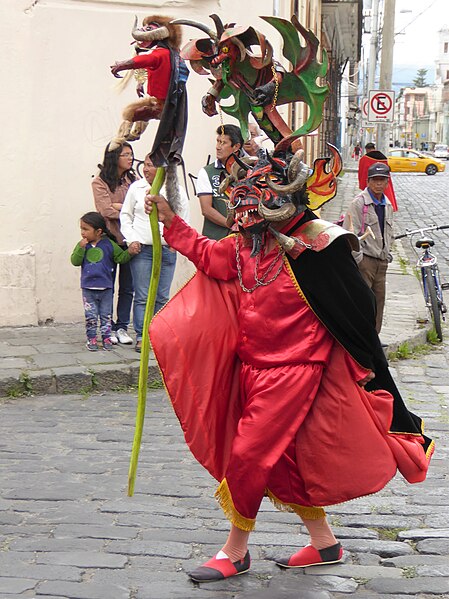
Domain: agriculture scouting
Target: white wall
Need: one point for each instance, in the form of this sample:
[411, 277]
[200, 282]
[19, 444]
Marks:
[59, 111]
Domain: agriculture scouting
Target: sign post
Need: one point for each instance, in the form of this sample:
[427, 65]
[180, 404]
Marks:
[365, 122]
[380, 106]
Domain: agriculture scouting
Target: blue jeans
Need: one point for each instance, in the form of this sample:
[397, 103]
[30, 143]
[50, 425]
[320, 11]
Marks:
[97, 305]
[141, 266]
[125, 296]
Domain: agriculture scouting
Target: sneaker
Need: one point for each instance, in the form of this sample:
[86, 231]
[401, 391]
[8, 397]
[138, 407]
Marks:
[123, 337]
[92, 344]
[107, 344]
[113, 337]
[138, 347]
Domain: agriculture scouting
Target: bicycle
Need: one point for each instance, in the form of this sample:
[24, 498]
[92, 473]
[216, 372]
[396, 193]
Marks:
[430, 275]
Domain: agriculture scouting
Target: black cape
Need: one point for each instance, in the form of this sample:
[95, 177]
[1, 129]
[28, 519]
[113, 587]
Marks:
[170, 135]
[332, 284]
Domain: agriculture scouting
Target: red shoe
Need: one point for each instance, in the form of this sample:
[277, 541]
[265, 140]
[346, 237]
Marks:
[309, 556]
[219, 569]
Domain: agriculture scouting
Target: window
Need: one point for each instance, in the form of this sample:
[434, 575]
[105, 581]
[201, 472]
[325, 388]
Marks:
[446, 47]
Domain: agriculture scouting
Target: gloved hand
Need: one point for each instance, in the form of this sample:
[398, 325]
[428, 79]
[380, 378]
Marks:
[123, 65]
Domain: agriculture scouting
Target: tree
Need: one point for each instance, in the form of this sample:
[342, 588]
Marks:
[420, 79]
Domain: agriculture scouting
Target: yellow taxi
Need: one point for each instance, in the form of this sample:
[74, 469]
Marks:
[401, 160]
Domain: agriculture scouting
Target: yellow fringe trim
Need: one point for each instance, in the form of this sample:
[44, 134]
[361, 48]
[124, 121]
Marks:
[224, 498]
[303, 511]
[294, 280]
[430, 450]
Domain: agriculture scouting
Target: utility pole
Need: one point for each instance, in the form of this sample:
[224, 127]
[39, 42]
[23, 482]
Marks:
[386, 68]
[374, 46]
[369, 83]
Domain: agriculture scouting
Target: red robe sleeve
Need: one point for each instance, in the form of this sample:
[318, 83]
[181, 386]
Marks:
[215, 258]
[158, 66]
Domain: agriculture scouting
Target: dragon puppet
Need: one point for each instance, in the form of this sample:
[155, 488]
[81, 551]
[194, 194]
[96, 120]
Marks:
[258, 83]
[157, 62]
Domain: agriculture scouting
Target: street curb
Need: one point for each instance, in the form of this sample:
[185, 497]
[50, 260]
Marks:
[415, 340]
[74, 379]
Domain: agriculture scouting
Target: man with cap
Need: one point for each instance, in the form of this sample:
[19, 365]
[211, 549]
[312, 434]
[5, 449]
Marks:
[372, 208]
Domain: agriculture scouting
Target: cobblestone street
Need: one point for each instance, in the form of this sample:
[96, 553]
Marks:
[68, 530]
[424, 202]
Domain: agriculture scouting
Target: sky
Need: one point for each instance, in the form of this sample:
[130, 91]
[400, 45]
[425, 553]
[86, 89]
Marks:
[417, 45]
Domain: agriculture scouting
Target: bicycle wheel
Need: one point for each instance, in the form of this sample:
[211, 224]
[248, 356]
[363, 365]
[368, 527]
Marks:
[434, 305]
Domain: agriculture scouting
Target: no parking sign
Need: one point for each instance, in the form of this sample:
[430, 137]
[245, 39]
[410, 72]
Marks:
[365, 122]
[380, 106]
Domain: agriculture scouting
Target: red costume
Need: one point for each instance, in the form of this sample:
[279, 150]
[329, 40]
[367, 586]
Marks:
[158, 66]
[268, 400]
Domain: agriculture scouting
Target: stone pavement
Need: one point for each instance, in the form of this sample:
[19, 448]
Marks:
[53, 359]
[68, 530]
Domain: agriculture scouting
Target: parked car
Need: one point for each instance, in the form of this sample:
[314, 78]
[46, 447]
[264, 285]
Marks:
[441, 151]
[401, 160]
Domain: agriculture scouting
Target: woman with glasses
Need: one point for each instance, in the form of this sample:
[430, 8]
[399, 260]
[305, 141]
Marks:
[109, 188]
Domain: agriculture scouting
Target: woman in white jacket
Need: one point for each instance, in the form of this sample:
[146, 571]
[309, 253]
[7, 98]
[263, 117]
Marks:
[135, 228]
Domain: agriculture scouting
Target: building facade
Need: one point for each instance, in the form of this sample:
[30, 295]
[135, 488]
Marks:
[442, 80]
[422, 113]
[61, 109]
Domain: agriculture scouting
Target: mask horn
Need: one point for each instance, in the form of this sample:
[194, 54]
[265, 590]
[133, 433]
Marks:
[154, 35]
[298, 173]
[198, 25]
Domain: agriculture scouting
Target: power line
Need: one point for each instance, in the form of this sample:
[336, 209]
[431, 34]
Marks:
[417, 17]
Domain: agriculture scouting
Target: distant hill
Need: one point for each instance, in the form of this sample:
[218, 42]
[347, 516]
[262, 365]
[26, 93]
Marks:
[403, 75]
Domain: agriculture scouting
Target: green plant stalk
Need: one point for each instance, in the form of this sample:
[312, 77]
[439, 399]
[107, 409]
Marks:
[145, 352]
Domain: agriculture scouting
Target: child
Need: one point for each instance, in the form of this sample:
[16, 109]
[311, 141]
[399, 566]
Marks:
[97, 253]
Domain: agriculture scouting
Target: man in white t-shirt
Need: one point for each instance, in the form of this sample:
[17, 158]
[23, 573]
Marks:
[135, 228]
[213, 203]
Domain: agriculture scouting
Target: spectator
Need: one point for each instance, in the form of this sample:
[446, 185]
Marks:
[252, 146]
[136, 229]
[97, 254]
[372, 208]
[213, 203]
[109, 189]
